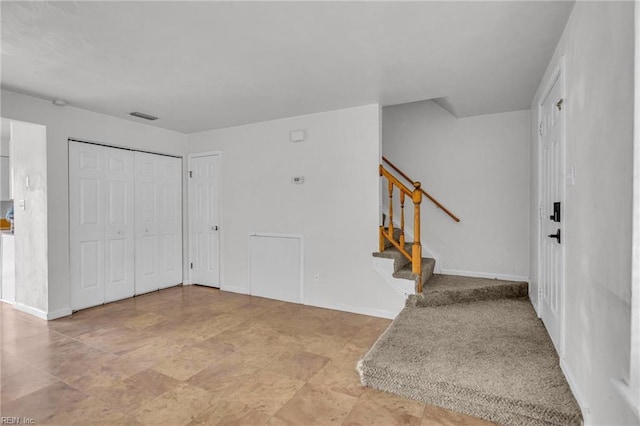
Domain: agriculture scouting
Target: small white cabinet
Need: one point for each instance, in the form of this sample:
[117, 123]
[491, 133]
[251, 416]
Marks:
[7, 254]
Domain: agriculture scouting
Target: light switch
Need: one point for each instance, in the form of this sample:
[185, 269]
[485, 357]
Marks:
[22, 205]
[297, 135]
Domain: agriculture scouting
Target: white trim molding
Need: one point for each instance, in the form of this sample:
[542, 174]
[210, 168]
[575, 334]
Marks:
[577, 393]
[234, 289]
[490, 275]
[363, 310]
[60, 313]
[630, 389]
[39, 313]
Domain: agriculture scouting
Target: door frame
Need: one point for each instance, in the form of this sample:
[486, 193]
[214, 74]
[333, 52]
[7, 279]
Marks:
[190, 157]
[558, 75]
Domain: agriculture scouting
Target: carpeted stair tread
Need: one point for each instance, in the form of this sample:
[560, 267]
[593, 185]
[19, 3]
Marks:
[491, 359]
[450, 289]
[428, 265]
[393, 253]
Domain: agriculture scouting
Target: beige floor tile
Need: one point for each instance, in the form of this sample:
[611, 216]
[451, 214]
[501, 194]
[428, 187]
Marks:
[298, 365]
[46, 404]
[436, 416]
[378, 408]
[187, 363]
[339, 377]
[316, 406]
[24, 382]
[225, 412]
[267, 391]
[144, 320]
[127, 395]
[224, 377]
[88, 411]
[178, 406]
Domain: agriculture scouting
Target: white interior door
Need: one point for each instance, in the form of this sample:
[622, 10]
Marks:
[119, 224]
[204, 224]
[100, 224]
[275, 267]
[158, 212]
[552, 198]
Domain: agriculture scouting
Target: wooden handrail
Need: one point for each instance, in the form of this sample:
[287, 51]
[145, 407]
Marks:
[387, 234]
[436, 202]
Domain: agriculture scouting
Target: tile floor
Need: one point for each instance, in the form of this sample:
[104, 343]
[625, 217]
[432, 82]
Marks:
[196, 355]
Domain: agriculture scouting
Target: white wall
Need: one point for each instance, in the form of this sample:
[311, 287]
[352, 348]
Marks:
[477, 167]
[598, 48]
[336, 209]
[29, 161]
[62, 123]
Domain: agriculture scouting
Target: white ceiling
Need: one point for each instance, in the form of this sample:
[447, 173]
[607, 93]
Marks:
[205, 65]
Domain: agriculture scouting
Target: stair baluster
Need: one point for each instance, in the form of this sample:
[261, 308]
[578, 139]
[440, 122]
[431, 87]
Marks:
[402, 218]
[416, 250]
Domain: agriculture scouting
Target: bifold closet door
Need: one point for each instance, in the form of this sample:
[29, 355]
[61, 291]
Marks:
[158, 212]
[100, 224]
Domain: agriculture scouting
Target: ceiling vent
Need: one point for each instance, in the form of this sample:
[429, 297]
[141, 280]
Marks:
[143, 115]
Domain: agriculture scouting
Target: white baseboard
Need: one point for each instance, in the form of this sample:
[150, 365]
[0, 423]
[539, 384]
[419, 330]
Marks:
[363, 310]
[491, 275]
[60, 313]
[39, 313]
[234, 289]
[577, 393]
[631, 396]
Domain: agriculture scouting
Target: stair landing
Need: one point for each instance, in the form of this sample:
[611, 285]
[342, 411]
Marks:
[450, 289]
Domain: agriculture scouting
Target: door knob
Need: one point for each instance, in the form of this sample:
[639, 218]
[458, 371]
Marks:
[214, 228]
[120, 232]
[556, 236]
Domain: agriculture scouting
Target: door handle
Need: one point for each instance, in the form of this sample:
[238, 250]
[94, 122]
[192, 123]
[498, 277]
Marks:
[556, 236]
[214, 228]
[120, 232]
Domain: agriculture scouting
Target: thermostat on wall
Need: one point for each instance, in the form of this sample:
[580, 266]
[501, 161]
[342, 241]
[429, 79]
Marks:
[297, 136]
[297, 180]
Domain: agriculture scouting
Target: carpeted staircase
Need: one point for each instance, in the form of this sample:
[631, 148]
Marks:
[474, 346]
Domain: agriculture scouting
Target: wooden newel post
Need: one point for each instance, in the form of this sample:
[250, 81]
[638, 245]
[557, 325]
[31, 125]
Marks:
[416, 250]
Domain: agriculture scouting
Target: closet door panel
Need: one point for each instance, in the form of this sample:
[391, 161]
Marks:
[86, 216]
[170, 220]
[146, 214]
[158, 222]
[119, 224]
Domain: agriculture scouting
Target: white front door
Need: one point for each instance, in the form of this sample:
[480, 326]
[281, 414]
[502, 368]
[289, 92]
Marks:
[158, 221]
[552, 209]
[204, 224]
